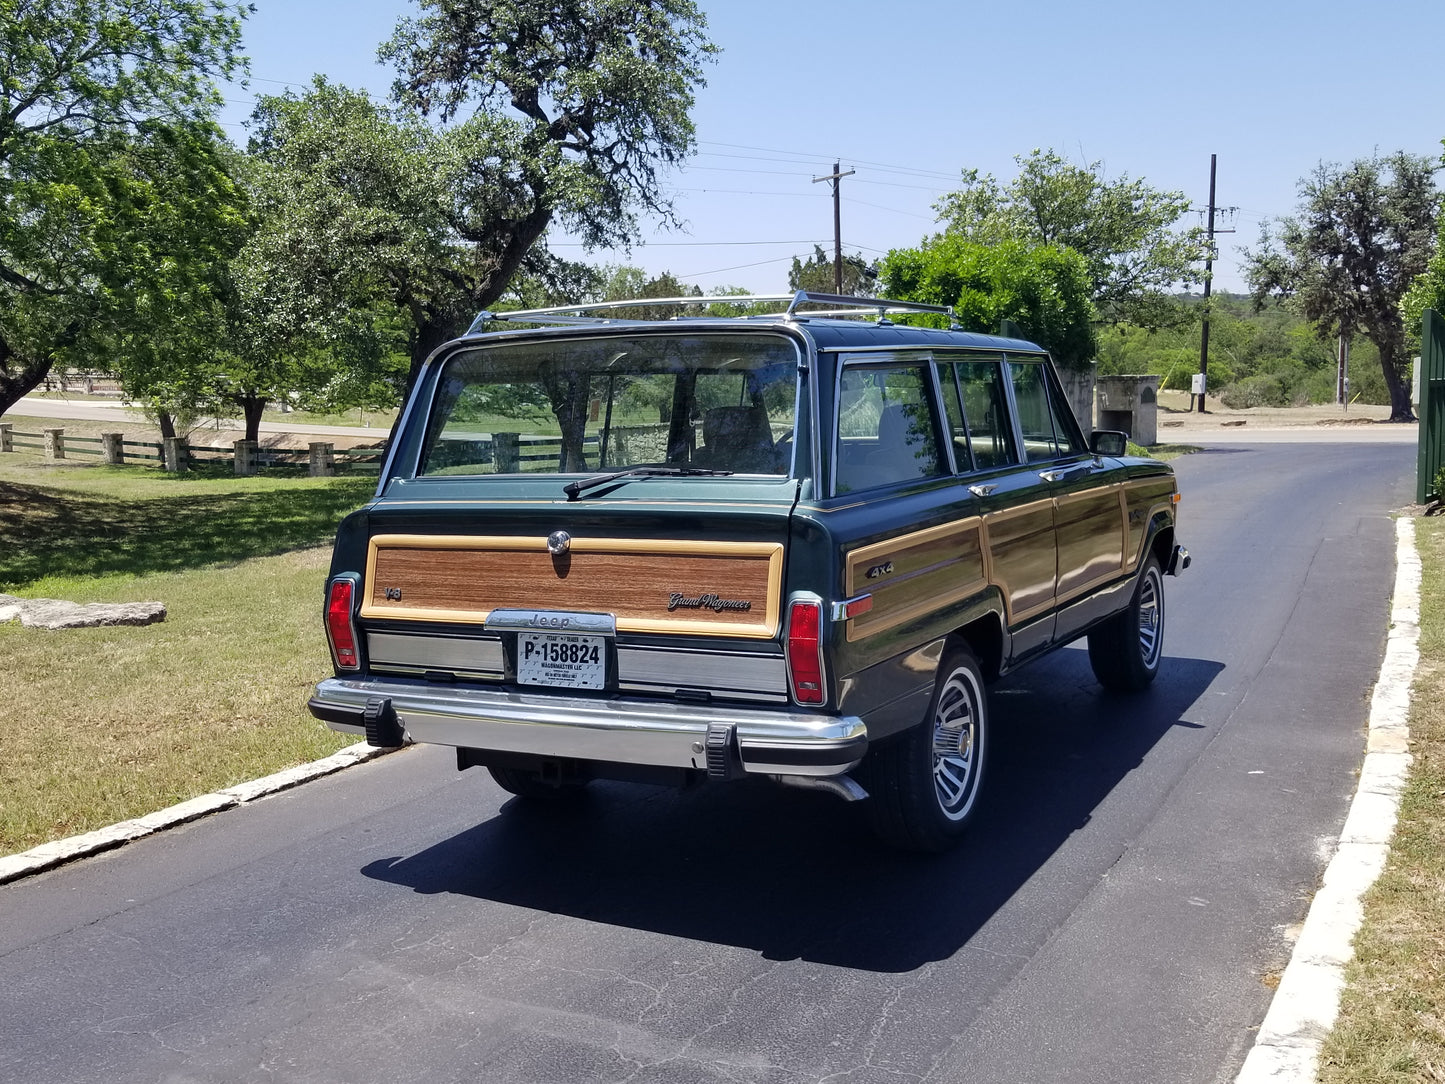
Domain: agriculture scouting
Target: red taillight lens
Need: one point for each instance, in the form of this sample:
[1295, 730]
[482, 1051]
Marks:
[339, 629]
[805, 651]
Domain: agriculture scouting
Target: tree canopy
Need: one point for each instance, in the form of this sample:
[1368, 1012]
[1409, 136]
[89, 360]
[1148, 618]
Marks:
[816, 273]
[1124, 229]
[1363, 234]
[93, 93]
[556, 112]
[1044, 289]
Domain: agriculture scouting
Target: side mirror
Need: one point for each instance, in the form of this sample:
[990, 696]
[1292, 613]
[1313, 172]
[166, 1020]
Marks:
[1109, 442]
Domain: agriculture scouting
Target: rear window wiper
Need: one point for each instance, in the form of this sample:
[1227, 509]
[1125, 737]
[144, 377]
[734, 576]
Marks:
[582, 485]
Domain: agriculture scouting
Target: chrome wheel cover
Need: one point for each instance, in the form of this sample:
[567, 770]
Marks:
[957, 744]
[1151, 618]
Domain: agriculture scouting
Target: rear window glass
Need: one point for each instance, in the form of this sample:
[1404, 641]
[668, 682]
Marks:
[722, 402]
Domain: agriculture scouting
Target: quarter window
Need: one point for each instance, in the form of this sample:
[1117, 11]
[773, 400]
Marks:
[886, 428]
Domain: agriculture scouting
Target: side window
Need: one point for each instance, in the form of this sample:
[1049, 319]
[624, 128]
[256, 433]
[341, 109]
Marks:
[886, 429]
[1046, 436]
[973, 394]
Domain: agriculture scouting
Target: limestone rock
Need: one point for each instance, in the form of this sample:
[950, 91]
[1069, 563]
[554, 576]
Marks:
[50, 613]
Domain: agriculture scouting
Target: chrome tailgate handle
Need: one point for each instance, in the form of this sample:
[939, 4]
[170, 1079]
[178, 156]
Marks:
[983, 489]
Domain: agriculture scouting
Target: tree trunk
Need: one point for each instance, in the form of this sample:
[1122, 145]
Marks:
[167, 423]
[252, 406]
[1401, 409]
[19, 382]
[431, 331]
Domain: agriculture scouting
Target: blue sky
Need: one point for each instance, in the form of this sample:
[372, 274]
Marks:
[909, 93]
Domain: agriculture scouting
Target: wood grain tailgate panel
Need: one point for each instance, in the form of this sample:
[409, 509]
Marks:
[463, 578]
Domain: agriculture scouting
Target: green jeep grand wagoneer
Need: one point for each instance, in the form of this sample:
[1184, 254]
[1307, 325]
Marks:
[795, 546]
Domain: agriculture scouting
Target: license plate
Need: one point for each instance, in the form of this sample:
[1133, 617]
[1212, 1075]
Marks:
[562, 659]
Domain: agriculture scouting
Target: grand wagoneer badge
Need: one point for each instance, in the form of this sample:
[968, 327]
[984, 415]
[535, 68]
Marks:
[678, 601]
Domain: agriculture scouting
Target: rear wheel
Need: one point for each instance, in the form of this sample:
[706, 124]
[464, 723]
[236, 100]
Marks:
[1126, 649]
[533, 787]
[925, 784]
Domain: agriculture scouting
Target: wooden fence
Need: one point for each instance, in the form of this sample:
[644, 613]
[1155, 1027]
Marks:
[319, 458]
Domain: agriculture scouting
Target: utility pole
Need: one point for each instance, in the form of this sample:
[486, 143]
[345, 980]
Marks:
[1210, 231]
[1342, 373]
[835, 177]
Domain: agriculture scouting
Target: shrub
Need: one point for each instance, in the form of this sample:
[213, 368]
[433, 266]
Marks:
[1264, 389]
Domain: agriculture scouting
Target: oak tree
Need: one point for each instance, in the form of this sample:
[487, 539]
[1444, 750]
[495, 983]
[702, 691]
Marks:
[556, 112]
[1363, 233]
[1127, 231]
[88, 89]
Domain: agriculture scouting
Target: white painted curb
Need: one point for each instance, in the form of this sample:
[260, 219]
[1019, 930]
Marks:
[47, 855]
[1287, 1048]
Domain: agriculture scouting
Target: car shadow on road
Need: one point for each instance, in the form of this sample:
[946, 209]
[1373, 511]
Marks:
[797, 875]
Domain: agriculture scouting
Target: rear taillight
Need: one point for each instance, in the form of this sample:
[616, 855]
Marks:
[340, 629]
[805, 651]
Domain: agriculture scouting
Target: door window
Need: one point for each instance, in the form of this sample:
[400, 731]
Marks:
[1047, 434]
[973, 395]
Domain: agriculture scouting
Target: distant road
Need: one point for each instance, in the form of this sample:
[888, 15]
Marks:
[1376, 433]
[88, 410]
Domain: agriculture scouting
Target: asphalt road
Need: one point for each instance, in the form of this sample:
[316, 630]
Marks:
[1115, 916]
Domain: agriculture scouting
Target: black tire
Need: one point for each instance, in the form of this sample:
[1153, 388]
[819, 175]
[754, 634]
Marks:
[1125, 651]
[532, 787]
[925, 783]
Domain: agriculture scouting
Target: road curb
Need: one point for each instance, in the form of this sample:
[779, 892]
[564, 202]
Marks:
[1304, 1007]
[60, 851]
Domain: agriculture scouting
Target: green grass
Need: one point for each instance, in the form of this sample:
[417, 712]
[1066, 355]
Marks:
[1391, 1028]
[106, 724]
[62, 522]
[1163, 451]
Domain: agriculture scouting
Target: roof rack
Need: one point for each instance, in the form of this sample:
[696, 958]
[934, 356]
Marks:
[563, 315]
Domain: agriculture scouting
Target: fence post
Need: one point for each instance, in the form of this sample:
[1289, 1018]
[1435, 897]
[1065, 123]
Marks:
[323, 459]
[506, 452]
[55, 443]
[173, 454]
[245, 458]
[7, 442]
[112, 450]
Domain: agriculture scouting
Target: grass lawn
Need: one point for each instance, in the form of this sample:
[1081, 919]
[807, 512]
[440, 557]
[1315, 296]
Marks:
[105, 724]
[1391, 1028]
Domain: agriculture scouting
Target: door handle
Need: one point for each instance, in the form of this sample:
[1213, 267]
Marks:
[982, 490]
[1067, 472]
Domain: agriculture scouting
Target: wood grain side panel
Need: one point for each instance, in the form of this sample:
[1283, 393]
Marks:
[1023, 558]
[464, 579]
[1144, 497]
[1090, 527]
[915, 574]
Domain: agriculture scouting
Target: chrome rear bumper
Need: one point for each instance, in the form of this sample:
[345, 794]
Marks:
[618, 730]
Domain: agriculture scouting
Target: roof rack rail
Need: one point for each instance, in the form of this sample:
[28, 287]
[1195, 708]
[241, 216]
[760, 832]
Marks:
[563, 315]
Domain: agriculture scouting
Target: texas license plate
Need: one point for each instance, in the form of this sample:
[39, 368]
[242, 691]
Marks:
[562, 659]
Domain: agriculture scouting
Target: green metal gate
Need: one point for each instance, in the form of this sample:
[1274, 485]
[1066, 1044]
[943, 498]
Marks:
[1432, 406]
